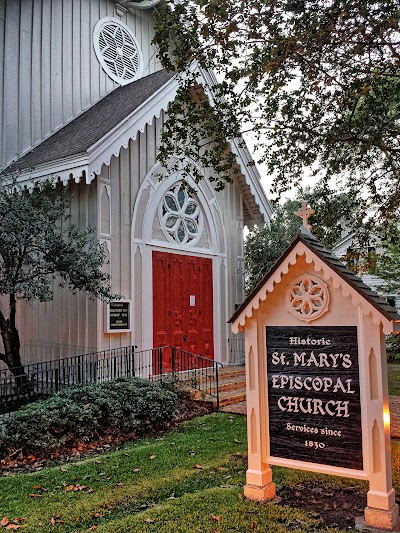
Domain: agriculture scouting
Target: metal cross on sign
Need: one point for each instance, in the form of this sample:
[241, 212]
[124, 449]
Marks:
[305, 212]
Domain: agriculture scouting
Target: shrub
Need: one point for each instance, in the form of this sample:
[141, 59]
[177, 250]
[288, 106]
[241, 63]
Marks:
[124, 405]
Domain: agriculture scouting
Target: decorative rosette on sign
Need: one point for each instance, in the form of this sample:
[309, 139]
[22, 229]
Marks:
[307, 297]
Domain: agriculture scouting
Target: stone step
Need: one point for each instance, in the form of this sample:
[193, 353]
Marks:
[227, 398]
[231, 385]
[231, 372]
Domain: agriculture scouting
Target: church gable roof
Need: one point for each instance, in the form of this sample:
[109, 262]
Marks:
[304, 244]
[80, 148]
[82, 133]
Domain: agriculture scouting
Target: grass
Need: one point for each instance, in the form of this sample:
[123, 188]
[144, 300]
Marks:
[394, 379]
[189, 481]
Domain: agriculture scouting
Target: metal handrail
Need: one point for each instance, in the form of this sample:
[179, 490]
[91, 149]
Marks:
[22, 385]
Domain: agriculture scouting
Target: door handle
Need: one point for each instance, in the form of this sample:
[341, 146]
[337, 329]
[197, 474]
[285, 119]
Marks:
[184, 338]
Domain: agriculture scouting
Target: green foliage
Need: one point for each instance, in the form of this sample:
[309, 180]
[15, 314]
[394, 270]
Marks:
[39, 248]
[84, 411]
[264, 246]
[393, 347]
[315, 82]
[333, 213]
[38, 244]
[388, 260]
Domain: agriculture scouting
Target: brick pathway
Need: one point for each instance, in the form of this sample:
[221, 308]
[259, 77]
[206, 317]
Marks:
[240, 408]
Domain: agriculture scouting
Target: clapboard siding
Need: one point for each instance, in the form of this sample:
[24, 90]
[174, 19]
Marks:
[49, 72]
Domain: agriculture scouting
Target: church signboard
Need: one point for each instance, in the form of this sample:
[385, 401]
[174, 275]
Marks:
[118, 316]
[316, 376]
[314, 394]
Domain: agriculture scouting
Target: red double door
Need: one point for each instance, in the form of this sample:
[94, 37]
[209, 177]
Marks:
[183, 303]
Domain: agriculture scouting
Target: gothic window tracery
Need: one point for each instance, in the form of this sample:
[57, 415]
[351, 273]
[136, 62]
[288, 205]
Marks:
[180, 216]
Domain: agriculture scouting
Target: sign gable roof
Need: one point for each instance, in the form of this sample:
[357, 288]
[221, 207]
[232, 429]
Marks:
[298, 247]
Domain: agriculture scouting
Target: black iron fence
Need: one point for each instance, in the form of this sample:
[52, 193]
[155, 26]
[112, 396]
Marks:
[23, 385]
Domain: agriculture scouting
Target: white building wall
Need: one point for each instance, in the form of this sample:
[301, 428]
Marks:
[49, 72]
[130, 248]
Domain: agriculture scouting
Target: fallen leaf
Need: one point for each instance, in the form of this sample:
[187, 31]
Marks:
[12, 526]
[19, 519]
[70, 487]
[97, 515]
[4, 521]
[37, 487]
[152, 456]
[62, 469]
[136, 470]
[35, 495]
[92, 528]
[199, 467]
[215, 517]
[149, 520]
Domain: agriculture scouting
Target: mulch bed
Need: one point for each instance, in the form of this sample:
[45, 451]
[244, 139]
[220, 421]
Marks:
[19, 461]
[335, 506]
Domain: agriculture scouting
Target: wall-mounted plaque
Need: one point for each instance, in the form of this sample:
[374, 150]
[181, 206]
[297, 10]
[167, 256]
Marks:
[314, 395]
[118, 317]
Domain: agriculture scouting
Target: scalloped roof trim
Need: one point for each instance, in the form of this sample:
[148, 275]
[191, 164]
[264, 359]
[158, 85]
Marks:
[327, 274]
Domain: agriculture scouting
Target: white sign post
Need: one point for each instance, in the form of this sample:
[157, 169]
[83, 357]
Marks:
[316, 377]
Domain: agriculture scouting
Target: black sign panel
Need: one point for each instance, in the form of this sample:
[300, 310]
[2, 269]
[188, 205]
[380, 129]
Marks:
[119, 315]
[314, 395]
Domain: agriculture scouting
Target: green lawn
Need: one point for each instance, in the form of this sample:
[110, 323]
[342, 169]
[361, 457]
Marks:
[394, 379]
[189, 481]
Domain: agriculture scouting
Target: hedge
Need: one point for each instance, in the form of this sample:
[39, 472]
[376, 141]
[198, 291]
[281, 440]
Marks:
[87, 411]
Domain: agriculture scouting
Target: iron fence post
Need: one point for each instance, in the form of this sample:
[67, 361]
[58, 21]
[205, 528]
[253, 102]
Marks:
[160, 361]
[133, 360]
[173, 360]
[216, 380]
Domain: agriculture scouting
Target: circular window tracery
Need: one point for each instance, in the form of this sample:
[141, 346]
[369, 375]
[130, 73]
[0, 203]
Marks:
[117, 50]
[308, 297]
[180, 216]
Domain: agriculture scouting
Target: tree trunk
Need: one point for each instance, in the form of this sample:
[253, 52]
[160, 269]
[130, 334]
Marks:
[11, 343]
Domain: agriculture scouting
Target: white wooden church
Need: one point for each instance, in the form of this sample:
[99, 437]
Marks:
[83, 100]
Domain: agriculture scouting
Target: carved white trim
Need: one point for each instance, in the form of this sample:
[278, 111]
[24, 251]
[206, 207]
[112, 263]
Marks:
[307, 297]
[327, 274]
[88, 165]
[141, 4]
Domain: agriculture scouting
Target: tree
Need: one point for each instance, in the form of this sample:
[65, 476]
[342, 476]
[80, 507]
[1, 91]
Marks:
[388, 260]
[38, 246]
[316, 82]
[334, 213]
[264, 245]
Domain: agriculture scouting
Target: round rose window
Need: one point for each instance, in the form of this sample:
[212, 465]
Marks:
[117, 50]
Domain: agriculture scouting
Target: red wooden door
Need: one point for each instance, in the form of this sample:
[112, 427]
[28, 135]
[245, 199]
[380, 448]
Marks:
[183, 303]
